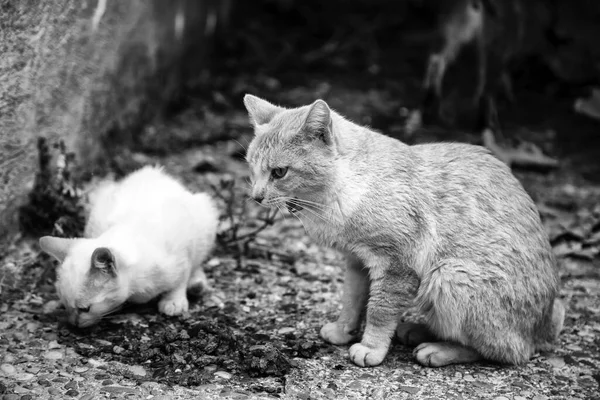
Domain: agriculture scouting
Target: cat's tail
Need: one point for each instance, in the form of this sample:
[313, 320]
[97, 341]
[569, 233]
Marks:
[552, 327]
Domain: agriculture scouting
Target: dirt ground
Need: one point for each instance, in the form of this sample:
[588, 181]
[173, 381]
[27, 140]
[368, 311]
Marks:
[281, 288]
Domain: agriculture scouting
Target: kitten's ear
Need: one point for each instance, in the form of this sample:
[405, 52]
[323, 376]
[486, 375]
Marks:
[104, 260]
[56, 247]
[318, 122]
[260, 111]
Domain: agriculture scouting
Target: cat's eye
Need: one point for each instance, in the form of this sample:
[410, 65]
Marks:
[83, 309]
[278, 173]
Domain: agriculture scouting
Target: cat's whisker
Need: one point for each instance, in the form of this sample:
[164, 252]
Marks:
[313, 203]
[317, 212]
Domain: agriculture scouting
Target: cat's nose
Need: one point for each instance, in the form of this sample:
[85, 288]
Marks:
[259, 199]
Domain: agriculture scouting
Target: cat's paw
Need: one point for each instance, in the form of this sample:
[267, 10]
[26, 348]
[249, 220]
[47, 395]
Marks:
[173, 306]
[440, 354]
[364, 356]
[334, 334]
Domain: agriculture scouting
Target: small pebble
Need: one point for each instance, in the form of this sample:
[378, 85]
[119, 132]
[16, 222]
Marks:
[501, 398]
[223, 374]
[54, 391]
[137, 370]
[284, 331]
[71, 385]
[53, 344]
[72, 393]
[540, 397]
[118, 350]
[80, 370]
[9, 358]
[19, 336]
[11, 397]
[20, 390]
[8, 369]
[469, 378]
[88, 396]
[50, 306]
[53, 355]
[25, 376]
[519, 398]
[95, 363]
[44, 382]
[26, 397]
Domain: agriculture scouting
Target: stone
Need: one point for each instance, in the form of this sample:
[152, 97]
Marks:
[50, 306]
[223, 374]
[24, 376]
[72, 393]
[410, 389]
[286, 330]
[8, 369]
[88, 396]
[54, 391]
[53, 355]
[137, 370]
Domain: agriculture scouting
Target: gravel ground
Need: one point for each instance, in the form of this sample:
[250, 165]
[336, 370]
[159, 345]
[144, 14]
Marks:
[281, 300]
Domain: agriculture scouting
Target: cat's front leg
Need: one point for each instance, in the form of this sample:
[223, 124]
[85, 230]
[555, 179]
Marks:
[391, 291]
[175, 301]
[354, 299]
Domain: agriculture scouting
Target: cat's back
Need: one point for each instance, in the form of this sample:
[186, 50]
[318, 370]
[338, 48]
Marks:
[143, 195]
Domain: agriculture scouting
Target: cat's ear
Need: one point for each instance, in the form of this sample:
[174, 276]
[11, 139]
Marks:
[318, 122]
[260, 111]
[103, 260]
[56, 247]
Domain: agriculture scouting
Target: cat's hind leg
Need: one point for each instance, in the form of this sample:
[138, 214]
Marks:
[479, 313]
[439, 354]
[198, 286]
[354, 299]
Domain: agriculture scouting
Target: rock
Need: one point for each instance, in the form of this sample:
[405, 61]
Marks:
[501, 398]
[54, 391]
[88, 396]
[118, 350]
[20, 390]
[24, 377]
[284, 331]
[11, 397]
[540, 397]
[9, 358]
[32, 326]
[137, 370]
[72, 393]
[95, 363]
[556, 362]
[53, 344]
[118, 389]
[19, 336]
[71, 385]
[519, 398]
[53, 355]
[468, 378]
[8, 369]
[80, 370]
[223, 374]
[50, 306]
[409, 389]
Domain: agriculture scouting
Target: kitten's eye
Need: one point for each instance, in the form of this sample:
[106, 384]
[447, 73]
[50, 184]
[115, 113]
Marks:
[83, 309]
[278, 173]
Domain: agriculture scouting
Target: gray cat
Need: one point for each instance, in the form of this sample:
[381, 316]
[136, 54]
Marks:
[444, 227]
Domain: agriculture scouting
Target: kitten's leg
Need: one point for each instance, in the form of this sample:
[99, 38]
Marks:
[439, 354]
[411, 334]
[198, 286]
[175, 301]
[391, 291]
[354, 298]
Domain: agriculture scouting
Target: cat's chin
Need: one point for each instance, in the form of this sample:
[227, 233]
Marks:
[292, 207]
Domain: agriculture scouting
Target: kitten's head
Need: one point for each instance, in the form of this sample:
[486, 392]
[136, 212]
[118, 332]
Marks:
[88, 281]
[292, 155]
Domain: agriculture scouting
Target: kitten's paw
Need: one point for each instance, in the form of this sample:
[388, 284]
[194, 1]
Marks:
[411, 334]
[334, 334]
[364, 356]
[173, 306]
[444, 353]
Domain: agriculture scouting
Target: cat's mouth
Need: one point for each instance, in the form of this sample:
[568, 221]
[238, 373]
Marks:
[293, 207]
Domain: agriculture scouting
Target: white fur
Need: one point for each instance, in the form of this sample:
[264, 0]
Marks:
[158, 231]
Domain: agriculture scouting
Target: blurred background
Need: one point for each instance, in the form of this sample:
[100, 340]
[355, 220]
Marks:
[107, 83]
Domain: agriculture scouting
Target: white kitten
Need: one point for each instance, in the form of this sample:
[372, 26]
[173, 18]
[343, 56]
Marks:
[146, 235]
